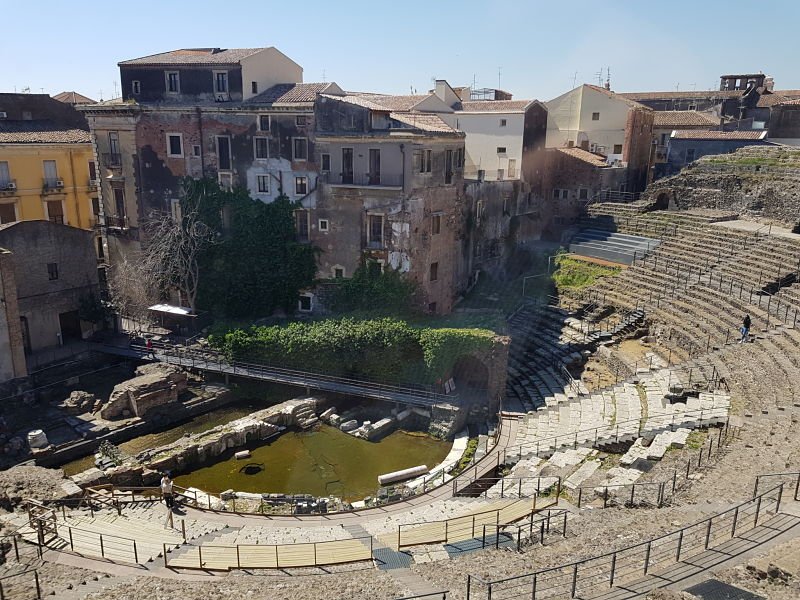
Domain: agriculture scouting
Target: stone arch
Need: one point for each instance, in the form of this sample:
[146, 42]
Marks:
[471, 376]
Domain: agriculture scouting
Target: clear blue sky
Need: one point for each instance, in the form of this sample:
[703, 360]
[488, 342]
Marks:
[395, 46]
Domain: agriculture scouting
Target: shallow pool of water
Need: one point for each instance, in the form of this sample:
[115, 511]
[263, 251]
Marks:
[198, 424]
[322, 462]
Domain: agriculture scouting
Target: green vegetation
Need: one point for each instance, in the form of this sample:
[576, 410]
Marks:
[256, 264]
[572, 273]
[466, 458]
[695, 440]
[369, 287]
[386, 349]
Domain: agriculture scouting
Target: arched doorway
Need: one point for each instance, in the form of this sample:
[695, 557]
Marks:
[662, 201]
[471, 377]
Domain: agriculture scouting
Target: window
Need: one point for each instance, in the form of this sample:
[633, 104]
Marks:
[481, 174]
[595, 116]
[617, 149]
[196, 150]
[52, 271]
[375, 231]
[300, 146]
[175, 145]
[95, 206]
[564, 194]
[301, 222]
[92, 172]
[664, 139]
[374, 268]
[500, 174]
[263, 122]
[501, 149]
[503, 122]
[136, 87]
[119, 202]
[8, 212]
[583, 194]
[225, 181]
[55, 211]
[261, 147]
[512, 167]
[479, 212]
[113, 142]
[304, 303]
[254, 87]
[434, 271]
[221, 82]
[263, 184]
[173, 82]
[323, 224]
[301, 186]
[426, 161]
[326, 163]
[338, 273]
[690, 153]
[50, 173]
[556, 193]
[432, 307]
[300, 120]
[436, 224]
[223, 153]
[5, 176]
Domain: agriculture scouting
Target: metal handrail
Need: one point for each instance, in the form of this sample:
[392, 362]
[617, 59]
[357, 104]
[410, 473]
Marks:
[25, 572]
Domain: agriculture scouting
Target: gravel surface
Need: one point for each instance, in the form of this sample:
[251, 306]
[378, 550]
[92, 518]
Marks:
[31, 482]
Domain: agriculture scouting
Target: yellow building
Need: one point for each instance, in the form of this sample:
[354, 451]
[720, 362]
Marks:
[47, 169]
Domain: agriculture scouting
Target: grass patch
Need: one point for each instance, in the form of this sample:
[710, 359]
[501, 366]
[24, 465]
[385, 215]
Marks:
[696, 440]
[572, 273]
[466, 458]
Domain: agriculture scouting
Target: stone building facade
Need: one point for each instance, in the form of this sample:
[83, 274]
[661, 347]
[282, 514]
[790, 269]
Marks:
[55, 269]
[12, 353]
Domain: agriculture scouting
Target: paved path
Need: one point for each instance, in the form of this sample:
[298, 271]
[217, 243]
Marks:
[206, 361]
[742, 225]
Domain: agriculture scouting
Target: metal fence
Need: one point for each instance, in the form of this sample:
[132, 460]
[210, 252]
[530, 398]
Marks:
[533, 530]
[21, 586]
[591, 575]
[431, 596]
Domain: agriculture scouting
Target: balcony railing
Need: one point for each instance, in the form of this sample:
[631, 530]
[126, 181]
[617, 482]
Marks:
[364, 179]
[112, 160]
[51, 185]
[8, 187]
[115, 221]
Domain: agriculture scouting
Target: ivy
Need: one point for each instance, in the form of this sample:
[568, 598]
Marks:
[369, 288]
[385, 349]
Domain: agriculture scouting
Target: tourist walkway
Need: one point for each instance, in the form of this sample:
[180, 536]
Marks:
[212, 362]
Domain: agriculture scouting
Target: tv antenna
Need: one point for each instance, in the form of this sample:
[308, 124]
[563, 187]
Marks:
[115, 89]
[499, 72]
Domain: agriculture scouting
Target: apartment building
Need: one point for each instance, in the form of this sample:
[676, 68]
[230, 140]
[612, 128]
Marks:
[47, 167]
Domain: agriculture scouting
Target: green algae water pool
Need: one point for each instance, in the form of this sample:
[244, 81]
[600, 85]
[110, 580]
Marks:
[324, 462]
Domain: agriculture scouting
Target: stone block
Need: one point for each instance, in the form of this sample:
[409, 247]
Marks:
[349, 425]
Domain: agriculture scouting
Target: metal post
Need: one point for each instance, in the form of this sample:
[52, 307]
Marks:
[680, 543]
[574, 580]
[735, 519]
[758, 510]
[647, 557]
[613, 570]
[136, 553]
[102, 550]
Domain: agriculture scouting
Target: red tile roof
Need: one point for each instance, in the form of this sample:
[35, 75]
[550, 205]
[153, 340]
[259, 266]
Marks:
[683, 118]
[596, 160]
[40, 132]
[676, 95]
[290, 93]
[194, 56]
[719, 135]
[73, 98]
[423, 121]
[396, 103]
[494, 105]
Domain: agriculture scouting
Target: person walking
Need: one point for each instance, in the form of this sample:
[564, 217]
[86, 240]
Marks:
[745, 328]
[149, 346]
[169, 498]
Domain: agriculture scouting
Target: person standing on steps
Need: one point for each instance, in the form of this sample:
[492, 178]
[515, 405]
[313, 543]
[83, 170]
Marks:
[149, 345]
[169, 498]
[745, 328]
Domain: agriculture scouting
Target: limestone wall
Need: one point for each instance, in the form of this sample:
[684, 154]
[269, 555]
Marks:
[761, 182]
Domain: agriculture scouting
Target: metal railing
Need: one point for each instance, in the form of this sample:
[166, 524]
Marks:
[431, 596]
[512, 487]
[423, 395]
[521, 534]
[111, 159]
[584, 577]
[364, 179]
[790, 478]
[24, 585]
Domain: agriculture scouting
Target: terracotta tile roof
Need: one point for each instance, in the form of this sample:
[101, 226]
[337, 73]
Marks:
[793, 102]
[40, 132]
[678, 95]
[73, 98]
[630, 101]
[357, 101]
[422, 121]
[290, 93]
[397, 103]
[720, 135]
[494, 105]
[767, 100]
[683, 118]
[194, 56]
[596, 160]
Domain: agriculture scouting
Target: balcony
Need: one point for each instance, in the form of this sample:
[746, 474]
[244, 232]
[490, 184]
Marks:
[112, 160]
[93, 185]
[8, 187]
[114, 221]
[363, 179]
[52, 186]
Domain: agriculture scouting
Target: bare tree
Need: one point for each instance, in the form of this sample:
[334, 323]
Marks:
[132, 289]
[173, 246]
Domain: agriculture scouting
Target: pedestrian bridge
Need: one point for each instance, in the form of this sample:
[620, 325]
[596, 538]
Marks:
[214, 362]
